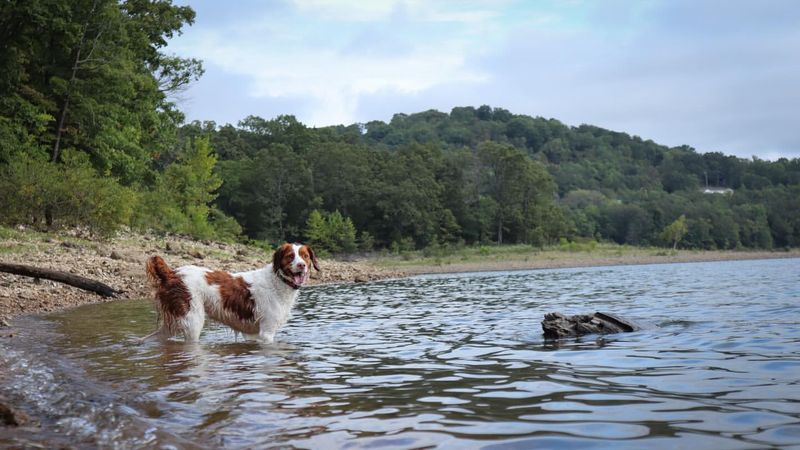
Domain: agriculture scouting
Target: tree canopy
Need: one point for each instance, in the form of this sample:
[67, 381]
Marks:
[90, 136]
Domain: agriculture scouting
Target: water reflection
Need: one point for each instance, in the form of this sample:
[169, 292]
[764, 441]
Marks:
[458, 361]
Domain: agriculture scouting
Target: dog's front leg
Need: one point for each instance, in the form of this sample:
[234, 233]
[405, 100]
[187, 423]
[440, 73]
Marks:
[161, 334]
[266, 337]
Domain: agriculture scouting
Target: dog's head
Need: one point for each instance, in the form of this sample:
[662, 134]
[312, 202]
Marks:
[293, 261]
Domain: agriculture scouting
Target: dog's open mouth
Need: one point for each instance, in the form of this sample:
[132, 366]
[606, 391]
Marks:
[299, 278]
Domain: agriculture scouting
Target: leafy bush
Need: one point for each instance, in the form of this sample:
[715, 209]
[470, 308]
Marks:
[402, 246]
[585, 245]
[331, 232]
[225, 227]
[46, 195]
[366, 241]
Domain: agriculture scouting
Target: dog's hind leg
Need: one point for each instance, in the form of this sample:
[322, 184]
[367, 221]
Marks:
[193, 324]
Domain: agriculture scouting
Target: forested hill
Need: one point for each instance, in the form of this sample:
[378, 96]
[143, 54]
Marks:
[90, 137]
[574, 155]
[487, 175]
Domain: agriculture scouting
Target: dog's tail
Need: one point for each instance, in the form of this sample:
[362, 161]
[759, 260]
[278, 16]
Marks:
[158, 271]
[173, 300]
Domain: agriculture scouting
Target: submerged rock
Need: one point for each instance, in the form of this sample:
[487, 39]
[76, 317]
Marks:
[11, 416]
[556, 325]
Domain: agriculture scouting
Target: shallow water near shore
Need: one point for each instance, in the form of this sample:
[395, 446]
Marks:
[456, 361]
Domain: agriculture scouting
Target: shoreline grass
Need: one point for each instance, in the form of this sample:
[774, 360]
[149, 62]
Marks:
[566, 254]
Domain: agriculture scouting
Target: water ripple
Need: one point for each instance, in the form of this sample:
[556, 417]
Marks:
[451, 361]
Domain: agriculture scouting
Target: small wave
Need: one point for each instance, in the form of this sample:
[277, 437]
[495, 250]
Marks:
[73, 409]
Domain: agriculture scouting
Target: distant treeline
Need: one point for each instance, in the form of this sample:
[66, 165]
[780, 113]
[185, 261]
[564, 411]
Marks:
[479, 175]
[88, 137]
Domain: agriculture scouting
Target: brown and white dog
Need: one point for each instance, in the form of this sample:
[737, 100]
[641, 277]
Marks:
[255, 303]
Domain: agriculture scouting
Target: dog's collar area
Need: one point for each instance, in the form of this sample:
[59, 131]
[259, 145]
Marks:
[285, 278]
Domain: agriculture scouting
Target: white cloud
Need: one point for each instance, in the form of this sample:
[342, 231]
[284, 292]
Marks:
[281, 63]
[420, 10]
[717, 75]
[348, 10]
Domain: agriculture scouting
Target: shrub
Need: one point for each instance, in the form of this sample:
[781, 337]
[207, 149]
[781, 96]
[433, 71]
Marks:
[366, 241]
[46, 195]
[331, 232]
[225, 226]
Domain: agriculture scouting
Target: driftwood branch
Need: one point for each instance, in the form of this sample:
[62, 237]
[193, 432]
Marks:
[556, 325]
[77, 281]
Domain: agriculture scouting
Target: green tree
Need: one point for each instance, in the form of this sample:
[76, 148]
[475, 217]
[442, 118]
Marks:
[316, 231]
[407, 204]
[675, 231]
[626, 223]
[521, 189]
[181, 200]
[344, 179]
[269, 195]
[89, 75]
[753, 226]
[679, 170]
[330, 231]
[194, 183]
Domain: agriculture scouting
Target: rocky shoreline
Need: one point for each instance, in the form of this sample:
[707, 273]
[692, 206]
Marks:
[119, 262]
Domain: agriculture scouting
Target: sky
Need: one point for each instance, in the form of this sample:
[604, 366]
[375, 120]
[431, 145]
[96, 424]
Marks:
[717, 75]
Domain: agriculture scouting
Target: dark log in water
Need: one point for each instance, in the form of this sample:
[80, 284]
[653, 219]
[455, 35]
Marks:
[556, 325]
[87, 284]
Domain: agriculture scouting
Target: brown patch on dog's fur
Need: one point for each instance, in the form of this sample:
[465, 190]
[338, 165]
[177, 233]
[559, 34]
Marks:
[282, 258]
[309, 256]
[173, 298]
[235, 294]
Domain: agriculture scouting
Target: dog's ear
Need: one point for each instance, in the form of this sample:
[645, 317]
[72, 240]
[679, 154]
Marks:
[277, 257]
[313, 256]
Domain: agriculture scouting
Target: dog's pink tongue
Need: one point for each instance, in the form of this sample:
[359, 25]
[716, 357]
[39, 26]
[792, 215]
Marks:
[299, 278]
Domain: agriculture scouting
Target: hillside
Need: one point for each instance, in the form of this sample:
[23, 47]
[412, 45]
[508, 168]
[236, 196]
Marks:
[487, 175]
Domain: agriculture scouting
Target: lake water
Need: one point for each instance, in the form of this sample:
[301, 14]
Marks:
[450, 361]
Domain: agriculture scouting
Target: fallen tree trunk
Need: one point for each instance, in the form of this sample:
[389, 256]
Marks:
[87, 284]
[557, 325]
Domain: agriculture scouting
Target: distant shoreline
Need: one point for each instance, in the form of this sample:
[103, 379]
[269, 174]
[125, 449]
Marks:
[588, 259]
